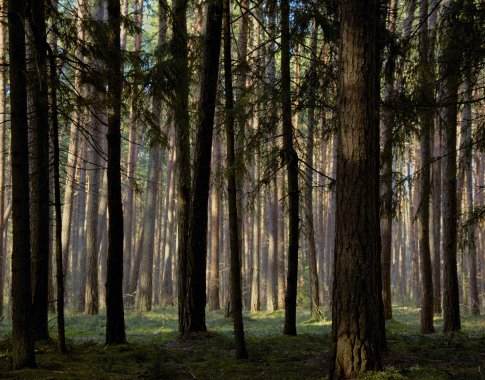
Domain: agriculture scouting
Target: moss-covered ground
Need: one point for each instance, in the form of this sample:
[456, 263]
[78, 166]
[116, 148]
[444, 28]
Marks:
[155, 352]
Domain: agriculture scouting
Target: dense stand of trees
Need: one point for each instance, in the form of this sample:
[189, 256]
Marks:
[246, 156]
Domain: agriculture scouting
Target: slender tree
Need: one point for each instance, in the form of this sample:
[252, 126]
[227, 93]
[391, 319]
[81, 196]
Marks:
[180, 98]
[236, 293]
[22, 328]
[197, 250]
[291, 161]
[40, 169]
[115, 320]
[449, 72]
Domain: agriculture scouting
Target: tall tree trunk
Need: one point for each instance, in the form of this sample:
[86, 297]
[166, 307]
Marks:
[40, 171]
[115, 320]
[386, 162]
[291, 161]
[79, 248]
[236, 293]
[356, 298]
[312, 252]
[61, 337]
[3, 120]
[22, 324]
[144, 296]
[467, 187]
[256, 252]
[197, 250]
[130, 206]
[426, 117]
[182, 137]
[215, 241]
[436, 208]
[449, 64]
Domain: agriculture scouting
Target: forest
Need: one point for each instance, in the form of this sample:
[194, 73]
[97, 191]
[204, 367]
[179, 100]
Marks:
[242, 189]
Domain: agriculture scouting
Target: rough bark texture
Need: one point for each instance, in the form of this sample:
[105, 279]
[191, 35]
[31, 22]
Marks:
[115, 320]
[22, 332]
[182, 138]
[197, 252]
[356, 298]
[291, 161]
[61, 337]
[236, 293]
[449, 62]
[426, 118]
[3, 72]
[40, 170]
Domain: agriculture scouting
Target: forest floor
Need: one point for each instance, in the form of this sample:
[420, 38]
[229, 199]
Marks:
[155, 352]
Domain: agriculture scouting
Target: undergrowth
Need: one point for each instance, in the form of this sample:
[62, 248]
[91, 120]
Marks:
[154, 350]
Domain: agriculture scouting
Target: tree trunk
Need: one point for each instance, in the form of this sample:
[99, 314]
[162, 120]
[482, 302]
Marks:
[3, 121]
[449, 62]
[215, 241]
[197, 249]
[236, 293]
[426, 115]
[79, 248]
[115, 321]
[40, 171]
[22, 333]
[182, 135]
[356, 299]
[61, 338]
[130, 206]
[291, 161]
[386, 163]
[312, 252]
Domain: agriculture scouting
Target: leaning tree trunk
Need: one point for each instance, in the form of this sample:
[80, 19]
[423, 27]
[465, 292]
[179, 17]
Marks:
[40, 171]
[356, 298]
[115, 320]
[22, 333]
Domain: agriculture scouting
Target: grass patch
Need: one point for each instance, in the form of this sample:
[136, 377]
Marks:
[155, 352]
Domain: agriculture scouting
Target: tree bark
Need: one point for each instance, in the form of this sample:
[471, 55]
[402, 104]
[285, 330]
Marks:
[40, 170]
[291, 160]
[312, 252]
[115, 321]
[130, 206]
[426, 115]
[22, 324]
[215, 241]
[3, 120]
[356, 290]
[449, 62]
[236, 293]
[182, 136]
